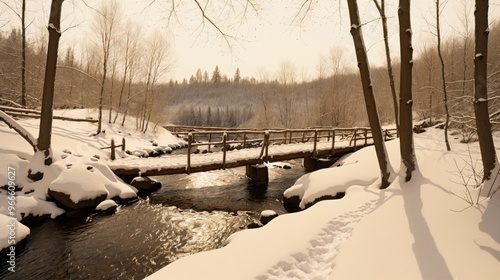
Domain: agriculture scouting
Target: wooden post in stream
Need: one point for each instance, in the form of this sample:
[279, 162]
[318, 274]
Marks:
[224, 148]
[333, 141]
[315, 152]
[266, 143]
[190, 140]
[209, 140]
[113, 155]
[355, 137]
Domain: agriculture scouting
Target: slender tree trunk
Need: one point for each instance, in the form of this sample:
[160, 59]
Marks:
[443, 77]
[113, 71]
[122, 89]
[103, 82]
[405, 90]
[488, 154]
[150, 109]
[45, 131]
[381, 9]
[371, 106]
[23, 54]
[431, 93]
[128, 98]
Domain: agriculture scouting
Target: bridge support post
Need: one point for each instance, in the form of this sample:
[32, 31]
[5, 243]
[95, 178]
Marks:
[313, 163]
[258, 173]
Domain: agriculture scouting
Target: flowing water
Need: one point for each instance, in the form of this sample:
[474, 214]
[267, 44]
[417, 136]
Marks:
[191, 213]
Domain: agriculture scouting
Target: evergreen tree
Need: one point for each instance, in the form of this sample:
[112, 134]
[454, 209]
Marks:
[199, 118]
[237, 76]
[208, 119]
[217, 119]
[216, 76]
[205, 77]
[192, 116]
[199, 76]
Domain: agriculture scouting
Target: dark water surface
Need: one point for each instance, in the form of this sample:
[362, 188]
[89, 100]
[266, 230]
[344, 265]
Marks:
[191, 213]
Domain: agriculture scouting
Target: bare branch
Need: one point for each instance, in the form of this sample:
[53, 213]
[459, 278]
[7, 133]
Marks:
[13, 124]
[202, 11]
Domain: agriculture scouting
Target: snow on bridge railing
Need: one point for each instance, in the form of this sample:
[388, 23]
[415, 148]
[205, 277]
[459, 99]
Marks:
[264, 138]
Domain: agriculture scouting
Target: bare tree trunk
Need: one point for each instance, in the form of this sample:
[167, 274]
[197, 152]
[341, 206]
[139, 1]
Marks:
[443, 77]
[150, 109]
[381, 10]
[430, 95]
[103, 82]
[45, 132]
[371, 106]
[23, 54]
[128, 98]
[119, 109]
[113, 72]
[488, 154]
[405, 90]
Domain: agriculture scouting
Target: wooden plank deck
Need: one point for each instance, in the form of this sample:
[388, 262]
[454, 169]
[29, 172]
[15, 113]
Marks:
[274, 145]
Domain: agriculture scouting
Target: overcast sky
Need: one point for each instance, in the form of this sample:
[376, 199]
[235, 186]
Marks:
[261, 40]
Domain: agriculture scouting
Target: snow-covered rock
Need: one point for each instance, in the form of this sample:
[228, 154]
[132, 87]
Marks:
[145, 184]
[11, 231]
[107, 206]
[267, 215]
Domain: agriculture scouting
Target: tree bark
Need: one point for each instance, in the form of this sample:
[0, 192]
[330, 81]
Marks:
[44, 137]
[23, 54]
[381, 9]
[405, 90]
[443, 77]
[488, 154]
[371, 106]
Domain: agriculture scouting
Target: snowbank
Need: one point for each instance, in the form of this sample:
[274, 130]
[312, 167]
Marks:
[422, 229]
[78, 172]
[357, 169]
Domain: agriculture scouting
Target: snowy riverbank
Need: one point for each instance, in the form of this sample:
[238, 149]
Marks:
[423, 229]
[79, 173]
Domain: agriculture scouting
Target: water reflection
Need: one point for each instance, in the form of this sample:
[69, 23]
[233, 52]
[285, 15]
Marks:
[143, 237]
[135, 242]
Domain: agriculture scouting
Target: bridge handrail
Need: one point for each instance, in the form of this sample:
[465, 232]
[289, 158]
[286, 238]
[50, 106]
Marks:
[355, 134]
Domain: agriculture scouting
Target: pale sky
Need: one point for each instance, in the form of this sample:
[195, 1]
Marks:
[262, 41]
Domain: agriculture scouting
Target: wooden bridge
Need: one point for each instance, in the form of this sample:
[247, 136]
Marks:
[213, 148]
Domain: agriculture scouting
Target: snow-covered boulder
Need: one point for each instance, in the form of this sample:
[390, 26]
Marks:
[18, 166]
[267, 215]
[80, 182]
[11, 232]
[108, 206]
[145, 184]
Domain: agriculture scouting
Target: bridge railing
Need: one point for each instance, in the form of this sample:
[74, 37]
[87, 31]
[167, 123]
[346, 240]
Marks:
[265, 138]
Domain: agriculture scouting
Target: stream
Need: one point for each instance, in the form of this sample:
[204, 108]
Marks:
[189, 214]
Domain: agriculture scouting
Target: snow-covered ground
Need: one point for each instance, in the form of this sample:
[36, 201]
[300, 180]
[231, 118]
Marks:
[79, 170]
[422, 229]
